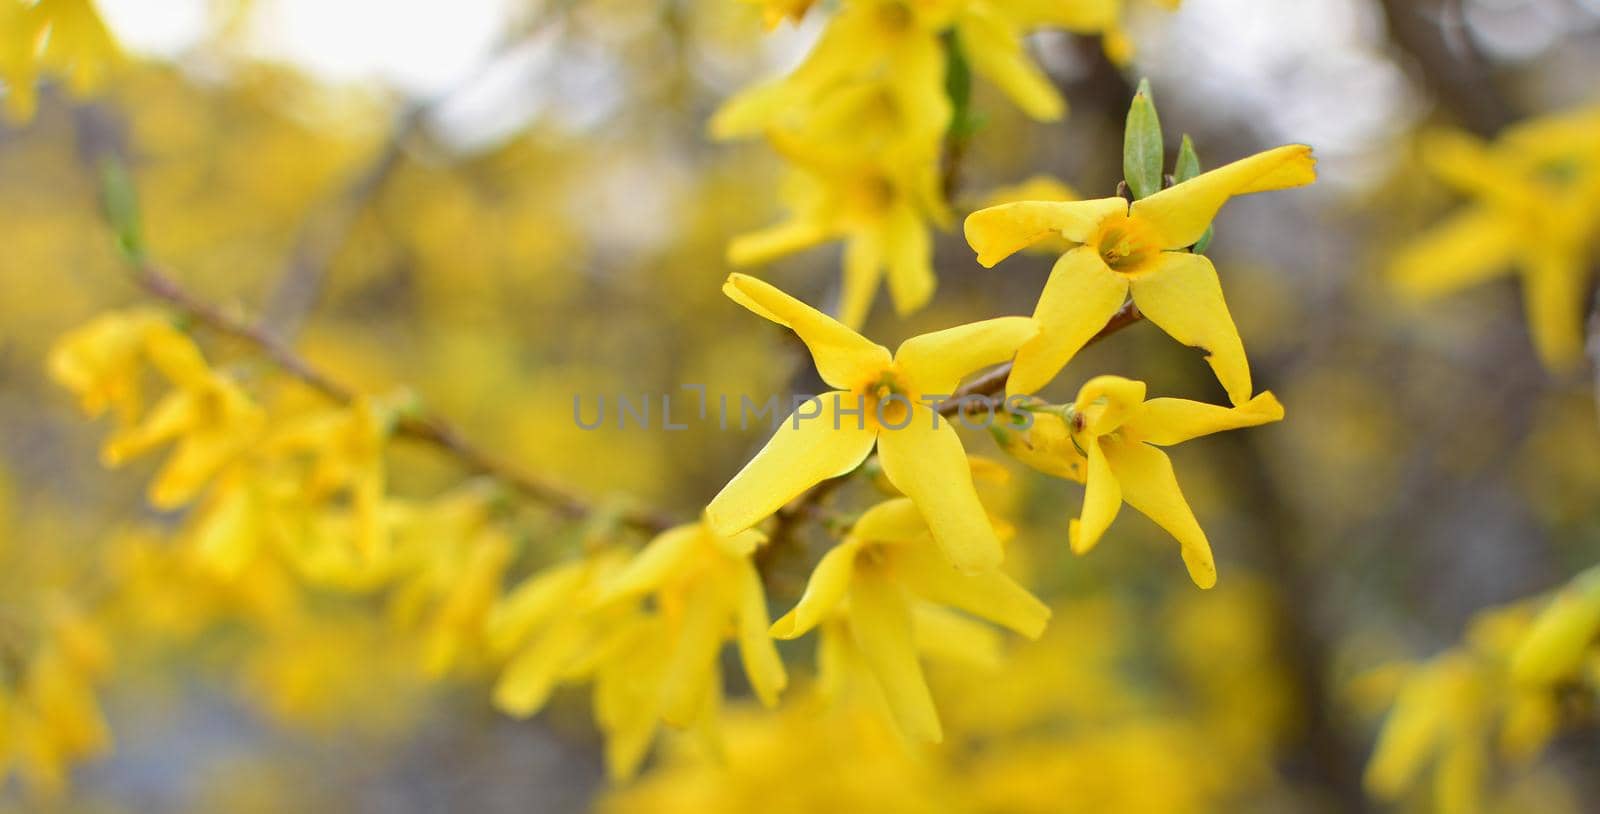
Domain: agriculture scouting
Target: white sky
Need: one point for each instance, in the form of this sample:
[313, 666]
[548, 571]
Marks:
[418, 46]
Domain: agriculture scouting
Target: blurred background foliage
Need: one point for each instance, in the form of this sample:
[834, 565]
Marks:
[509, 204]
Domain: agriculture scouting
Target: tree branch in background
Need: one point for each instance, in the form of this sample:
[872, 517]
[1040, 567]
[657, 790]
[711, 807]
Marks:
[323, 234]
[1434, 34]
[419, 426]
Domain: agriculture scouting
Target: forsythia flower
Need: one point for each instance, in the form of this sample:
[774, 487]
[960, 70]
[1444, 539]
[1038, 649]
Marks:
[1137, 250]
[705, 588]
[921, 454]
[1454, 708]
[863, 120]
[1536, 208]
[1109, 440]
[100, 362]
[64, 37]
[208, 418]
[880, 211]
[348, 445]
[553, 631]
[871, 579]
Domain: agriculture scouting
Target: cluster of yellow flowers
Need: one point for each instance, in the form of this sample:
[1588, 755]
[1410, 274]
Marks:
[1523, 671]
[864, 118]
[1066, 723]
[50, 38]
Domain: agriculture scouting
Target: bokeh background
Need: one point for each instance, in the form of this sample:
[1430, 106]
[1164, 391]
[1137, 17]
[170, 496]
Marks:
[496, 206]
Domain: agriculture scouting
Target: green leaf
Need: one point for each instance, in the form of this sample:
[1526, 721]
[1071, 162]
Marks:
[1188, 165]
[1142, 150]
[1205, 240]
[121, 203]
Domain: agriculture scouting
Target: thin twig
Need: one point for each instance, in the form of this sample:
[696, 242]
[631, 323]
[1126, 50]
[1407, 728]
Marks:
[424, 427]
[324, 233]
[995, 380]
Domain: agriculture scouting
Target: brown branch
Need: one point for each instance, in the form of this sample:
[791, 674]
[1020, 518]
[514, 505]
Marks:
[423, 427]
[1434, 34]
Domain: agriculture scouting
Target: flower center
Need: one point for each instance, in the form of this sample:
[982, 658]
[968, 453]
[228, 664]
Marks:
[887, 399]
[1125, 244]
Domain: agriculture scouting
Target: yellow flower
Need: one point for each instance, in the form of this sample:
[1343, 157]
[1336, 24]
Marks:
[210, 420]
[101, 362]
[880, 400]
[1112, 437]
[348, 446]
[882, 214]
[1535, 208]
[876, 578]
[77, 44]
[63, 37]
[706, 590]
[552, 630]
[1137, 250]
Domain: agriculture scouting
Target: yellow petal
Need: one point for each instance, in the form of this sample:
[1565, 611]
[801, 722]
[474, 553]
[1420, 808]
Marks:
[952, 637]
[1000, 231]
[773, 242]
[936, 362]
[1078, 300]
[928, 465]
[1181, 213]
[1467, 249]
[1553, 286]
[990, 595]
[826, 588]
[863, 271]
[909, 253]
[843, 357]
[802, 452]
[1105, 402]
[1168, 421]
[1466, 163]
[892, 521]
[692, 666]
[1151, 488]
[880, 622]
[662, 558]
[761, 662]
[1562, 636]
[525, 684]
[1408, 736]
[532, 603]
[995, 49]
[1183, 296]
[1102, 499]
